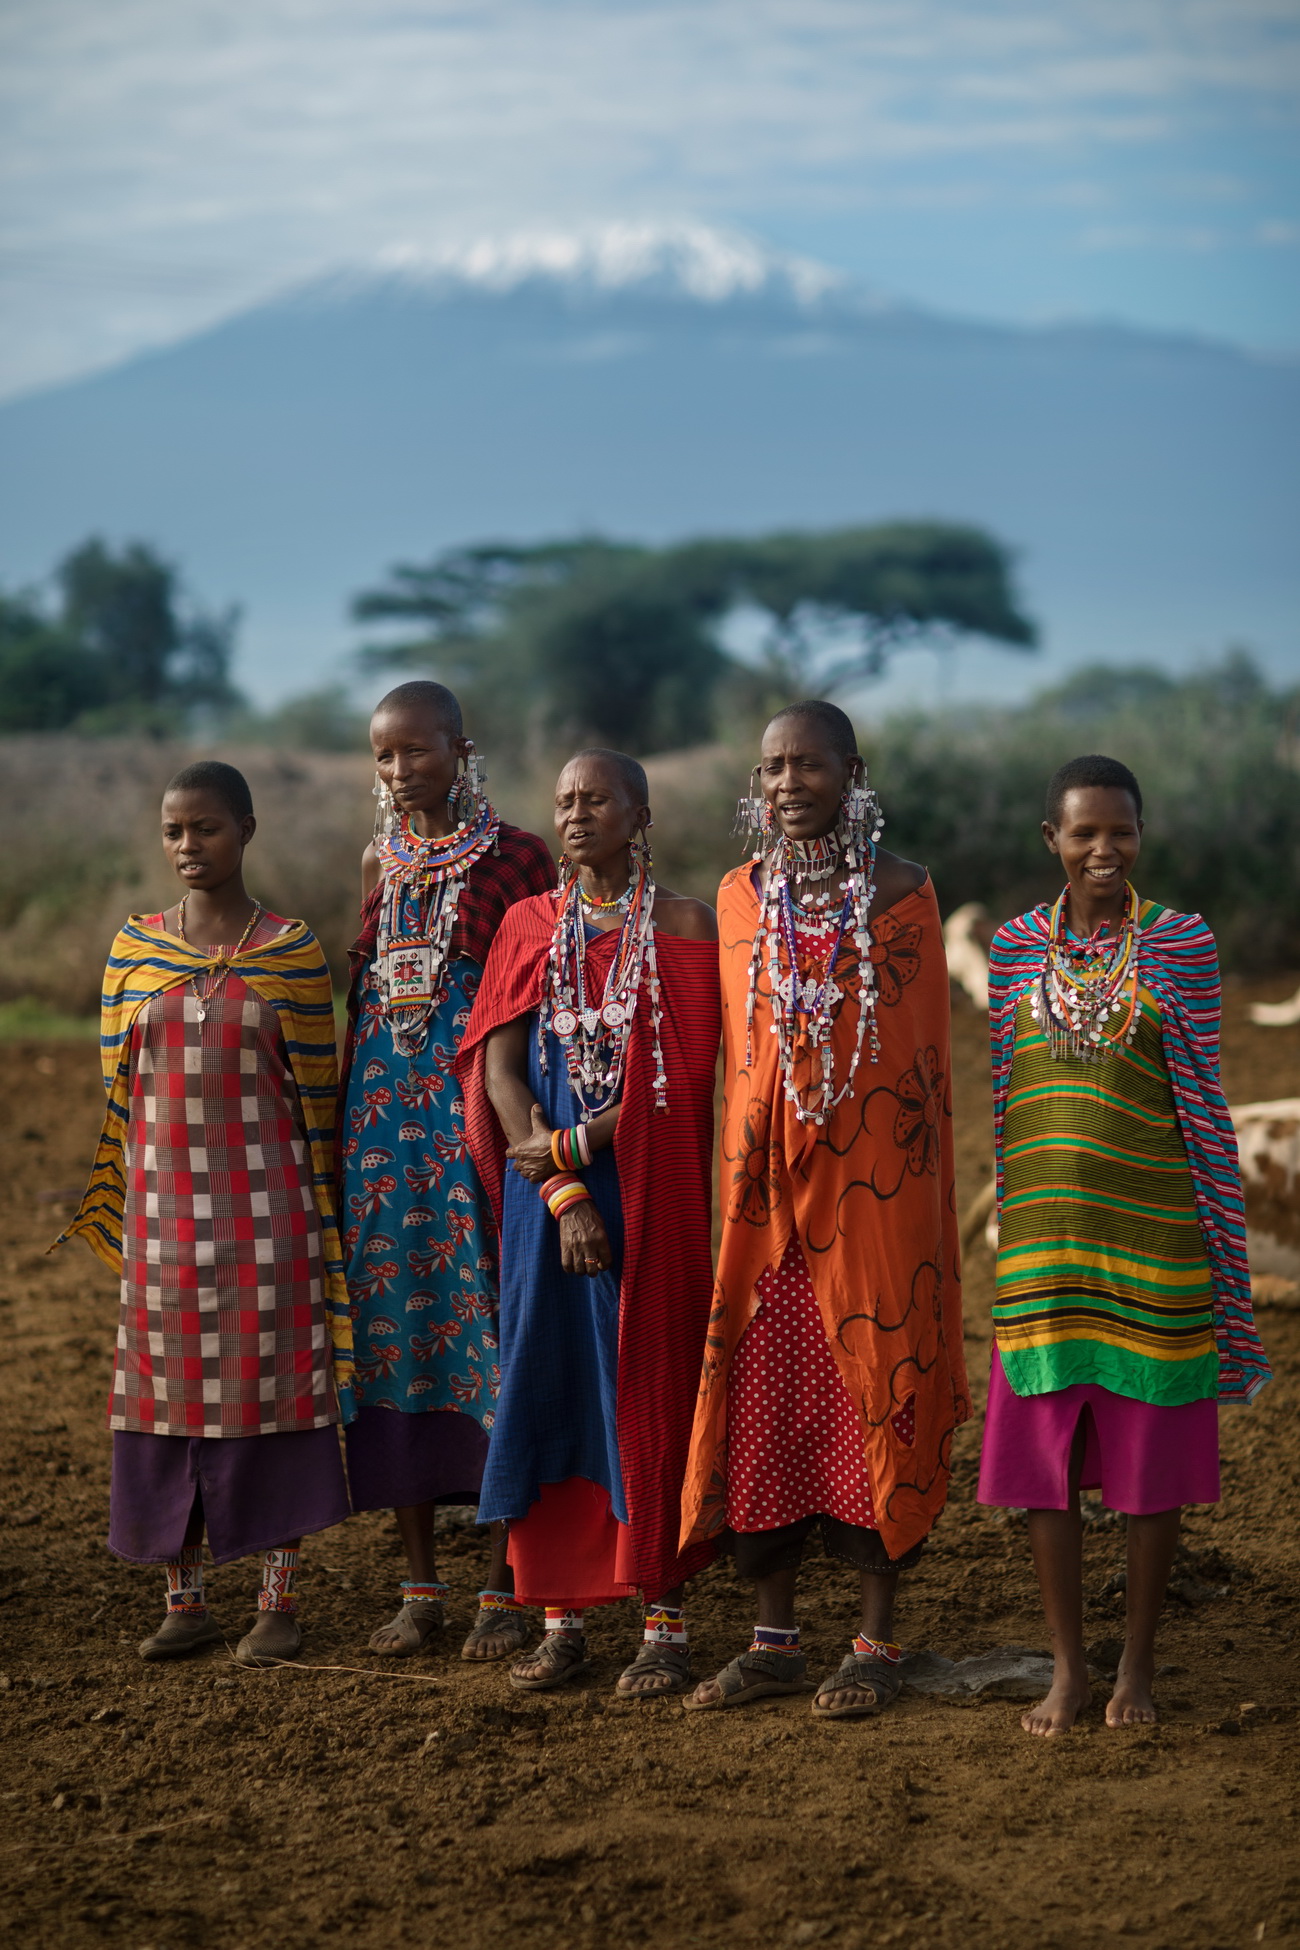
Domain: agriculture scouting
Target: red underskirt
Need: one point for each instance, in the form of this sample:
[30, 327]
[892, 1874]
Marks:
[571, 1549]
[794, 1437]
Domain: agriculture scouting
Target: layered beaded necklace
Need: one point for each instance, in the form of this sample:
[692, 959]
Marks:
[423, 881]
[805, 1006]
[594, 1032]
[1087, 984]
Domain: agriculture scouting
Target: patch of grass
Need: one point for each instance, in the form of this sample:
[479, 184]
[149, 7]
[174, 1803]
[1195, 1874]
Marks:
[31, 1019]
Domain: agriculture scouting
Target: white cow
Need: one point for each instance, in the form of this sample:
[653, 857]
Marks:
[1276, 1015]
[966, 936]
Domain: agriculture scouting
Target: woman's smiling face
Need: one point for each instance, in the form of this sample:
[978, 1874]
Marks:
[1097, 840]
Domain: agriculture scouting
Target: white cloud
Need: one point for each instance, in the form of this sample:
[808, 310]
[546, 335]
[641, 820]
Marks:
[164, 160]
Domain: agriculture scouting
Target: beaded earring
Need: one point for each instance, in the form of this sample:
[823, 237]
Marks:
[861, 820]
[468, 796]
[638, 848]
[753, 817]
[385, 811]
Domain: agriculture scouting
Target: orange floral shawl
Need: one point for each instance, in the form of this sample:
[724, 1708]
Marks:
[872, 1198]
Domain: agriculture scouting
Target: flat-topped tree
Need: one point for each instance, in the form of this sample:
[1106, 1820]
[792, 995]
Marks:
[590, 637]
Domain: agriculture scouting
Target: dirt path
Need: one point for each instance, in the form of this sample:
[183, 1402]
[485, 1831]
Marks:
[205, 1806]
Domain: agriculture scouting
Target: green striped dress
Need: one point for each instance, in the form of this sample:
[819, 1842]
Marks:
[1102, 1274]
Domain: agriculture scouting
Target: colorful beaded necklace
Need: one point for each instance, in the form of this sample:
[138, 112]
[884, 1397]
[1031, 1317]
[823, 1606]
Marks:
[423, 881]
[1082, 987]
[805, 1005]
[595, 1034]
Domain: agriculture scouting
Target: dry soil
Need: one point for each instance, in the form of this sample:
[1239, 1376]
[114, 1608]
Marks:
[345, 1800]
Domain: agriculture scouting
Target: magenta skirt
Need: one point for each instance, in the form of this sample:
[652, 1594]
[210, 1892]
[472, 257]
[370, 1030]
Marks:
[1143, 1458]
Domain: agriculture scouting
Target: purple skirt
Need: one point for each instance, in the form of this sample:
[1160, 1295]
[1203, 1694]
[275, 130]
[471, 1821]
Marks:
[256, 1492]
[1143, 1458]
[396, 1459]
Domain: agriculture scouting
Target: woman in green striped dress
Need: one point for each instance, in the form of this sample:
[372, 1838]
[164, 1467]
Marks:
[1122, 1313]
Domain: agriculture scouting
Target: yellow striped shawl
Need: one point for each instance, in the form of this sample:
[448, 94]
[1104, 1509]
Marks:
[291, 976]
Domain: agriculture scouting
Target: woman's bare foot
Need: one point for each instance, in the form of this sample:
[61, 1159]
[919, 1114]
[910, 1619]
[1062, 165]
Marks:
[1131, 1704]
[1066, 1699]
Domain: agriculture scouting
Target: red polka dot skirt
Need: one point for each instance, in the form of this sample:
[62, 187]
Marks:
[794, 1435]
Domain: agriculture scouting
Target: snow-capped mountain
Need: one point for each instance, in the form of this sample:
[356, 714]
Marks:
[655, 381]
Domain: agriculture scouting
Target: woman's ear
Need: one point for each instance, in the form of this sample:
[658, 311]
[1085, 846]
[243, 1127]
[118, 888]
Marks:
[247, 828]
[1049, 837]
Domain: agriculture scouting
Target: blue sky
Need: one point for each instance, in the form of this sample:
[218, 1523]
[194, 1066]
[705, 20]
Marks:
[165, 162]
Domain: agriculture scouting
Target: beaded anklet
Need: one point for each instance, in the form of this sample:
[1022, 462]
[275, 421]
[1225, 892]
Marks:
[499, 1601]
[865, 1648]
[771, 1638]
[416, 1593]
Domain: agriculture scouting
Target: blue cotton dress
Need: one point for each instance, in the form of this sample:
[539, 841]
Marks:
[421, 1267]
[555, 1417]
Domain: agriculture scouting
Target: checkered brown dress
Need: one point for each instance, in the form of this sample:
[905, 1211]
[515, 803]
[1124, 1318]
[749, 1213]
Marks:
[222, 1329]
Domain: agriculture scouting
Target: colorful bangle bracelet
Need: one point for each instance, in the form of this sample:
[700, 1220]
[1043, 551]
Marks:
[564, 1190]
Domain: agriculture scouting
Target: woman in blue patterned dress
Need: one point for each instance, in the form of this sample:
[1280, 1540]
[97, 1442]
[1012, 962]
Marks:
[421, 1267]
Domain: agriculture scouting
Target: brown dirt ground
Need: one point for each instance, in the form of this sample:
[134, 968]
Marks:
[202, 1805]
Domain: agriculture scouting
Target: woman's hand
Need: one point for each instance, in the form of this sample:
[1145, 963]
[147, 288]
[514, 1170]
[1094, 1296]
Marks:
[584, 1242]
[532, 1158]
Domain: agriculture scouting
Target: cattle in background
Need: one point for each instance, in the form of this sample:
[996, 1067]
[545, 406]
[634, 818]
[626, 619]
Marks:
[967, 935]
[1276, 1015]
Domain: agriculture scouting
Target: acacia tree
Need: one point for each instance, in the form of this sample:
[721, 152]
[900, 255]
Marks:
[586, 637]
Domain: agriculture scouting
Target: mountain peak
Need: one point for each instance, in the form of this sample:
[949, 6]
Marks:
[681, 259]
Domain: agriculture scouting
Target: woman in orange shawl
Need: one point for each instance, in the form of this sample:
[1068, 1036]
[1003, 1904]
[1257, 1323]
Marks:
[833, 1376]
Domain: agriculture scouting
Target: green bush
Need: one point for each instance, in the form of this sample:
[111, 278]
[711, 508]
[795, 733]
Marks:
[1217, 755]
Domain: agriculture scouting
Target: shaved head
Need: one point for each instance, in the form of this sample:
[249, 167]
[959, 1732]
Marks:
[423, 695]
[630, 775]
[834, 725]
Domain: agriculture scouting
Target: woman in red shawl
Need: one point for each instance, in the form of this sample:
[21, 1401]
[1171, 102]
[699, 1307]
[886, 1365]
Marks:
[588, 1065]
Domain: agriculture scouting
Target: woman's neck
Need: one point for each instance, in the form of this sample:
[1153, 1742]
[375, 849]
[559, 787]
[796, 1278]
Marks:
[1087, 911]
[434, 824]
[217, 916]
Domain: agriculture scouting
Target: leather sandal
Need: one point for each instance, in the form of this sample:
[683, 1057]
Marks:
[415, 1624]
[670, 1662]
[561, 1655]
[180, 1634]
[493, 1623]
[875, 1676]
[782, 1672]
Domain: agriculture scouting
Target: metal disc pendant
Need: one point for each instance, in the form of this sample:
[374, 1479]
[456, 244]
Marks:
[202, 1014]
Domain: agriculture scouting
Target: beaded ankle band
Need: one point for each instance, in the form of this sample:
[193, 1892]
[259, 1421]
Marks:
[865, 1648]
[499, 1601]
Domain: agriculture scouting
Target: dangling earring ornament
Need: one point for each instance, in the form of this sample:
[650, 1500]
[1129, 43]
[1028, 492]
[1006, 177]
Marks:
[385, 810]
[468, 796]
[754, 818]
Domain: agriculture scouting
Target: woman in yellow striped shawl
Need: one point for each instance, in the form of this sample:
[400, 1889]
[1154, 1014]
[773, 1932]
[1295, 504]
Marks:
[211, 1194]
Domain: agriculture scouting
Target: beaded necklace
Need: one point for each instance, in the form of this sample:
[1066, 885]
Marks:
[216, 978]
[1082, 987]
[594, 1034]
[805, 1007]
[423, 881]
